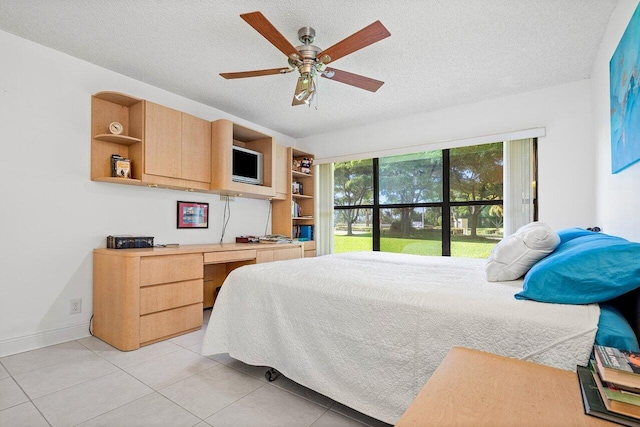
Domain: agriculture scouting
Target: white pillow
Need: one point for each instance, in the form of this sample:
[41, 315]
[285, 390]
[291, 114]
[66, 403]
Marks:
[516, 254]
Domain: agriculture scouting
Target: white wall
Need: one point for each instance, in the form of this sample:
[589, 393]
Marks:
[53, 215]
[617, 201]
[566, 156]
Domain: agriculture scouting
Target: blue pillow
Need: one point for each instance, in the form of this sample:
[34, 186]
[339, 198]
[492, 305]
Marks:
[588, 269]
[572, 233]
[614, 330]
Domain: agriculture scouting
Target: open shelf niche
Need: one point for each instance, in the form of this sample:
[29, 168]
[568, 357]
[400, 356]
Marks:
[225, 134]
[106, 108]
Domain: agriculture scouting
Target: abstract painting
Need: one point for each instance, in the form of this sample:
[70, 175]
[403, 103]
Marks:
[624, 82]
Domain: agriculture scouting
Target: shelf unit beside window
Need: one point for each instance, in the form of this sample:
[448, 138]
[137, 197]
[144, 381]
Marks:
[286, 218]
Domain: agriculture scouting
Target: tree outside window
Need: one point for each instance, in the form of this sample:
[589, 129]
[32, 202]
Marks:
[403, 210]
[353, 186]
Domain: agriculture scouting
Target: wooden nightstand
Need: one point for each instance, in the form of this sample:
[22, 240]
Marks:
[474, 388]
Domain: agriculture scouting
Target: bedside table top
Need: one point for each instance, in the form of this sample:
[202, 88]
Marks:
[471, 387]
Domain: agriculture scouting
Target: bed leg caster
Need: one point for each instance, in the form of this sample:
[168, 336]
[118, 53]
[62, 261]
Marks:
[271, 374]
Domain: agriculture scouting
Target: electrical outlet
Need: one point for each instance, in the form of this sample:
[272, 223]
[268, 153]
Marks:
[224, 198]
[75, 306]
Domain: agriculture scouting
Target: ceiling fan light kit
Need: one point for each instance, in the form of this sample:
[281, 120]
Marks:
[310, 61]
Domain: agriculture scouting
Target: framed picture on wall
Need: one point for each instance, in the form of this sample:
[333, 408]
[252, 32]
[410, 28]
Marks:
[193, 215]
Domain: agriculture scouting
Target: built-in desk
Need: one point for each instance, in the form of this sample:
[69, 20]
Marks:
[141, 296]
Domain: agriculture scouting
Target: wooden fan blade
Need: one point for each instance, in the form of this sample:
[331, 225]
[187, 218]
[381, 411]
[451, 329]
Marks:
[256, 73]
[363, 38]
[269, 32]
[356, 80]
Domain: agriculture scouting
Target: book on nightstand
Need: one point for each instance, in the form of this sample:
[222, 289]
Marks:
[620, 367]
[618, 401]
[593, 403]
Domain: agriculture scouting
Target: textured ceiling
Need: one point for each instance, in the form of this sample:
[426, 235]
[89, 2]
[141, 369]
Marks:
[441, 53]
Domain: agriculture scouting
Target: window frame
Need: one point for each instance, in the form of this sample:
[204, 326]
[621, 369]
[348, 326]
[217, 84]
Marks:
[445, 205]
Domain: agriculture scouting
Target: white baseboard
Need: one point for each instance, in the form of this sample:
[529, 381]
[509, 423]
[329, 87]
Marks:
[43, 339]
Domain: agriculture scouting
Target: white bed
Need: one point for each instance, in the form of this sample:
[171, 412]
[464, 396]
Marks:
[368, 329]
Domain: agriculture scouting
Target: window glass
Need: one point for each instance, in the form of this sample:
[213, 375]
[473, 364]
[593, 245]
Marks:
[353, 183]
[412, 199]
[415, 231]
[475, 230]
[352, 230]
[411, 178]
[476, 172]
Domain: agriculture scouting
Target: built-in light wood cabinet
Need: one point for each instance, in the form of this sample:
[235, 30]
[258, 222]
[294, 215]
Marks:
[173, 149]
[177, 146]
[293, 210]
[140, 300]
[141, 296]
[167, 148]
[196, 149]
[225, 134]
[106, 108]
[277, 254]
[163, 141]
[283, 172]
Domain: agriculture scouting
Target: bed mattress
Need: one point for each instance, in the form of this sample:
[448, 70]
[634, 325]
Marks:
[368, 329]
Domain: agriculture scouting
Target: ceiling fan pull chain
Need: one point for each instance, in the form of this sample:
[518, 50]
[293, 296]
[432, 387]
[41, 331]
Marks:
[316, 83]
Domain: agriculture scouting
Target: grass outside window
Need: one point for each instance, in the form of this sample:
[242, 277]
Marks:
[479, 247]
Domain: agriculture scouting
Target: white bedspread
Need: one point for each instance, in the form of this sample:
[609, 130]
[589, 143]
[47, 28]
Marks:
[368, 329]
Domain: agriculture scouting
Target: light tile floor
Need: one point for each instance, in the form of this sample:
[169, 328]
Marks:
[89, 383]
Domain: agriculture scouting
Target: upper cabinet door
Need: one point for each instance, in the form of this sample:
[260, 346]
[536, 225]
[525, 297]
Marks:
[283, 172]
[163, 141]
[196, 149]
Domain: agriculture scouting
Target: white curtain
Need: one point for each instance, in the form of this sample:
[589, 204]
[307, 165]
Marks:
[324, 209]
[519, 184]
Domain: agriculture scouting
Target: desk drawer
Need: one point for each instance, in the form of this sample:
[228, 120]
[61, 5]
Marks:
[264, 256]
[164, 297]
[287, 253]
[229, 256]
[171, 322]
[170, 268]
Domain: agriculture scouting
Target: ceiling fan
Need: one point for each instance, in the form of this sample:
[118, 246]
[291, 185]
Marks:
[310, 61]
